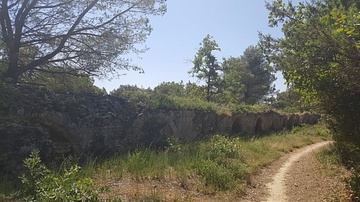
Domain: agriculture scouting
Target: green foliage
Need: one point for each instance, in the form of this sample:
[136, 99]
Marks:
[66, 102]
[194, 91]
[178, 96]
[354, 183]
[288, 100]
[170, 89]
[319, 55]
[233, 73]
[240, 108]
[224, 147]
[344, 19]
[220, 163]
[189, 104]
[133, 93]
[173, 144]
[292, 102]
[206, 67]
[315, 58]
[62, 82]
[215, 175]
[144, 163]
[159, 98]
[43, 184]
[248, 79]
[8, 188]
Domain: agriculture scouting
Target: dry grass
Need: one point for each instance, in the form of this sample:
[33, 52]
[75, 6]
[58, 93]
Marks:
[332, 168]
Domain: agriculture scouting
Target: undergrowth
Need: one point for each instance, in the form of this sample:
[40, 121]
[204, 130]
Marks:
[220, 164]
[41, 184]
[332, 166]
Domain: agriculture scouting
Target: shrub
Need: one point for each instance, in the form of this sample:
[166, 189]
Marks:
[42, 184]
[214, 175]
[223, 147]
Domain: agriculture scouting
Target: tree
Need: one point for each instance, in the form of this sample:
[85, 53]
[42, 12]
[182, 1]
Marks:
[133, 93]
[320, 56]
[170, 89]
[234, 69]
[62, 82]
[194, 91]
[248, 78]
[75, 37]
[289, 100]
[206, 66]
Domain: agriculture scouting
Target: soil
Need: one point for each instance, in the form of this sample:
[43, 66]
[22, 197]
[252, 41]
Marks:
[299, 176]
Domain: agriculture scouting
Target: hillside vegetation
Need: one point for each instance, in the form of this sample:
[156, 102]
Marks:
[218, 167]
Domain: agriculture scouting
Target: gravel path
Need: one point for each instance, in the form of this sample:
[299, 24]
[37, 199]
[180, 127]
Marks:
[296, 176]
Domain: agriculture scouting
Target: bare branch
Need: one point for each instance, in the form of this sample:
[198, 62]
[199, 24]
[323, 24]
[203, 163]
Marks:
[64, 39]
[14, 4]
[6, 27]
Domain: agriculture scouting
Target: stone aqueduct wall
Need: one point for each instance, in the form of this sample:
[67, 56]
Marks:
[60, 123]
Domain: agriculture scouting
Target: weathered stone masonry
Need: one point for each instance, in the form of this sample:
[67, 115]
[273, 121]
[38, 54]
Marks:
[61, 123]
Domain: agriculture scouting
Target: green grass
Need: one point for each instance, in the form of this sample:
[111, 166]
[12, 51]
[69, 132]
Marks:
[221, 163]
[259, 152]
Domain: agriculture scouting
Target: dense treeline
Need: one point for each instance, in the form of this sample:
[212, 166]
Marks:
[245, 79]
[237, 81]
[320, 57]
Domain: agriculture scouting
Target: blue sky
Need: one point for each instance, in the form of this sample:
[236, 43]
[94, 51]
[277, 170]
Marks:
[175, 38]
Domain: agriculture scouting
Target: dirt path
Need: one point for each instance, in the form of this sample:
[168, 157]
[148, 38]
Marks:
[277, 187]
[295, 177]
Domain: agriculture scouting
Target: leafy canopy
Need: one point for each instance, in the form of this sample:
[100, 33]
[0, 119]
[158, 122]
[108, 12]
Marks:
[248, 78]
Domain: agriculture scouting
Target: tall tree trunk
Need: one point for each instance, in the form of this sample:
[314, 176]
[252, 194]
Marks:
[208, 89]
[11, 74]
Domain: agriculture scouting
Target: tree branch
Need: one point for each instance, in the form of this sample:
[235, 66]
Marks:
[42, 60]
[111, 19]
[6, 27]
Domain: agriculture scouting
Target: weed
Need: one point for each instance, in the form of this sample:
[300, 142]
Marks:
[173, 144]
[224, 147]
[214, 175]
[42, 184]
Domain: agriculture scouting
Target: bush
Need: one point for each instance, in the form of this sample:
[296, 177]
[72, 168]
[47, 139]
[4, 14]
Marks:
[223, 147]
[42, 184]
[220, 163]
[215, 175]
